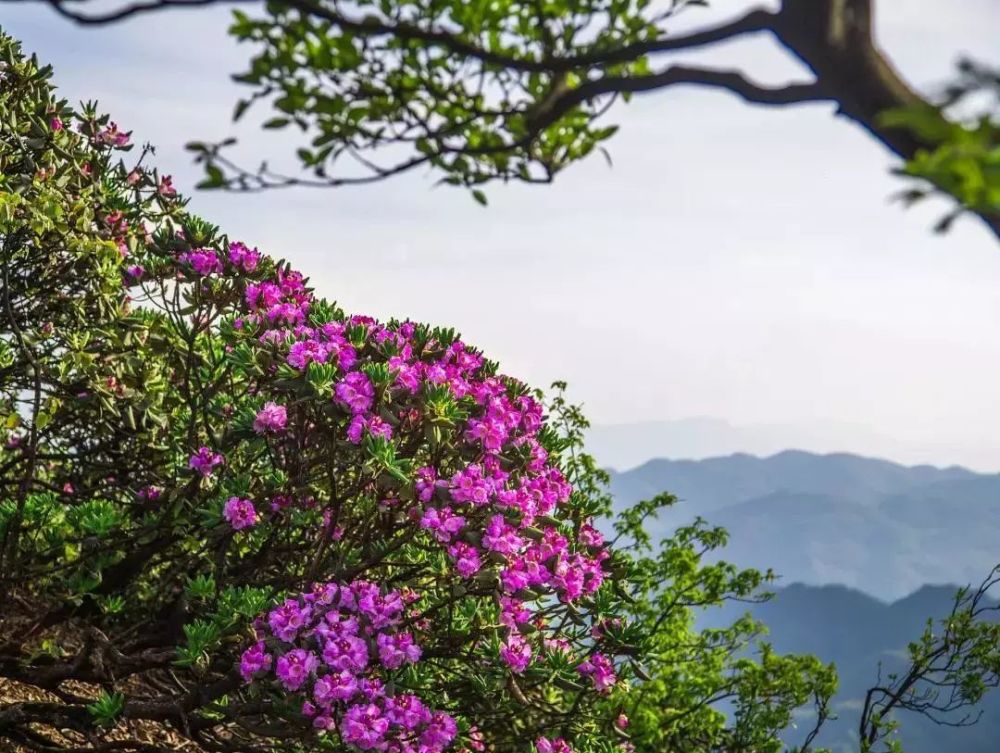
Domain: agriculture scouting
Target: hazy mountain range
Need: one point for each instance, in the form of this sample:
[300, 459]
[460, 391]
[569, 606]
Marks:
[858, 632]
[874, 525]
[859, 539]
[624, 446]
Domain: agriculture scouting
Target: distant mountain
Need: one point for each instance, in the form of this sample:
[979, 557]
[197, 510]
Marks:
[623, 446]
[857, 632]
[881, 527]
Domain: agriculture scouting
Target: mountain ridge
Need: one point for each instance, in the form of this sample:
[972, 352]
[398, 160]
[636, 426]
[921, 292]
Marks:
[626, 445]
[876, 525]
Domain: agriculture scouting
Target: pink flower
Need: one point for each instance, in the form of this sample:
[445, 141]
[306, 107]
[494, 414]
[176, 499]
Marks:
[56, 124]
[204, 461]
[364, 725]
[355, 392]
[590, 536]
[516, 652]
[468, 485]
[255, 659]
[621, 722]
[395, 650]
[288, 619]
[374, 426]
[339, 686]
[240, 513]
[442, 523]
[554, 745]
[466, 558]
[492, 433]
[439, 733]
[324, 721]
[242, 257]
[166, 187]
[406, 711]
[263, 295]
[271, 419]
[501, 537]
[346, 653]
[113, 137]
[150, 493]
[295, 667]
[377, 427]
[203, 261]
[302, 353]
[600, 670]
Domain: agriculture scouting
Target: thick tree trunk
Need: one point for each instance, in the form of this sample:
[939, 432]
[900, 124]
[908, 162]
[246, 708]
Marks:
[835, 40]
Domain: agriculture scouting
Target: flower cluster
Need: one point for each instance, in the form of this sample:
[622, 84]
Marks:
[333, 645]
[472, 480]
[485, 510]
[488, 506]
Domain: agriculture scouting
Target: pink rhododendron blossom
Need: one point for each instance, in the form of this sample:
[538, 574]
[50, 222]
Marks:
[346, 653]
[552, 745]
[516, 652]
[301, 354]
[204, 461]
[243, 258]
[458, 470]
[150, 493]
[466, 558]
[271, 419]
[240, 513]
[374, 426]
[112, 136]
[295, 667]
[439, 733]
[590, 536]
[364, 726]
[203, 261]
[288, 619]
[166, 187]
[442, 523]
[355, 392]
[501, 537]
[600, 670]
[336, 686]
[255, 659]
[396, 650]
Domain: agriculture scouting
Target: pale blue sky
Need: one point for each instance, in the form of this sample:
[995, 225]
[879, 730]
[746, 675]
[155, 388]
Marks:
[736, 262]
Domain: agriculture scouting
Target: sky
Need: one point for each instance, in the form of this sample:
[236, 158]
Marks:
[736, 263]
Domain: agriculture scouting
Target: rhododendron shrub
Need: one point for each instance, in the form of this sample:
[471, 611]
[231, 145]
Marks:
[232, 508]
[234, 516]
[401, 501]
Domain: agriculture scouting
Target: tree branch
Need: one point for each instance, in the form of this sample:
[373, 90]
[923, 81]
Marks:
[728, 80]
[835, 40]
